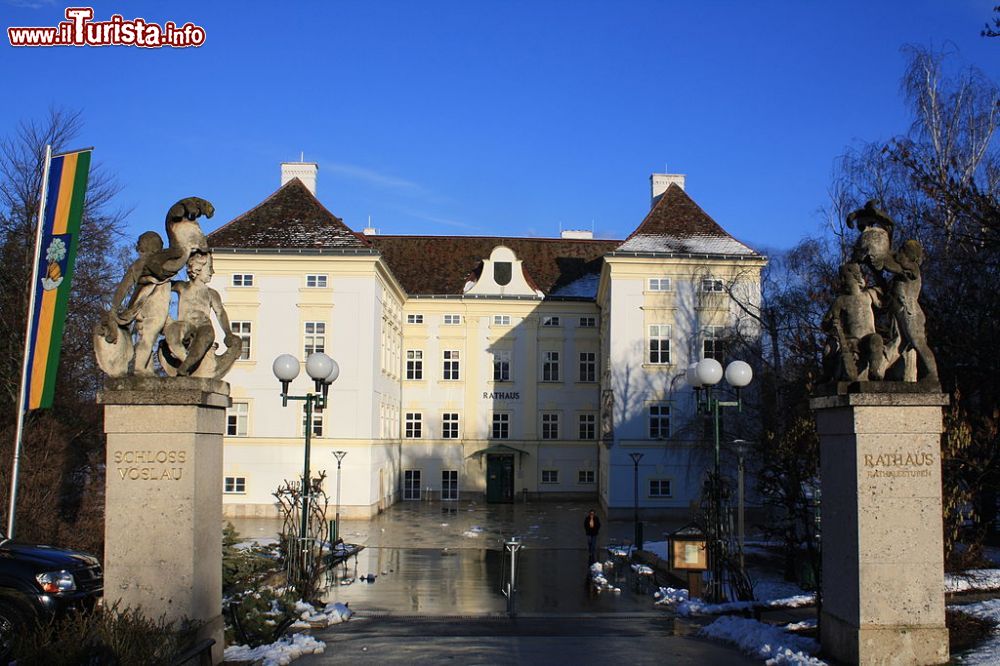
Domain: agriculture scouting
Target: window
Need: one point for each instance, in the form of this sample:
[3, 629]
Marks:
[501, 320]
[550, 366]
[501, 426]
[585, 476]
[317, 423]
[414, 425]
[237, 417]
[315, 338]
[659, 421]
[714, 343]
[452, 319]
[414, 364]
[550, 426]
[550, 476]
[242, 329]
[659, 487]
[451, 365]
[243, 280]
[414, 319]
[550, 321]
[588, 366]
[710, 285]
[449, 484]
[449, 425]
[501, 366]
[235, 484]
[411, 484]
[588, 426]
[588, 322]
[659, 343]
[316, 281]
[659, 284]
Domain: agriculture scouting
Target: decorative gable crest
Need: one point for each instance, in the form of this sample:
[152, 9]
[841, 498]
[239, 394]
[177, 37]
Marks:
[502, 274]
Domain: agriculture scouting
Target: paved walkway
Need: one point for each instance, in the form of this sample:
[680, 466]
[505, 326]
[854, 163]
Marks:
[600, 639]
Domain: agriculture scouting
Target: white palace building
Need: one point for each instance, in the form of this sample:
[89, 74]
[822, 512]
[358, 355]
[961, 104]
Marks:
[493, 368]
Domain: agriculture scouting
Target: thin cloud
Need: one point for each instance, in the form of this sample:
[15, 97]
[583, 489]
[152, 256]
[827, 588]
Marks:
[373, 177]
[439, 220]
[30, 4]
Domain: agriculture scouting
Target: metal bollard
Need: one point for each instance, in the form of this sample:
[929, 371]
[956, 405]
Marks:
[509, 586]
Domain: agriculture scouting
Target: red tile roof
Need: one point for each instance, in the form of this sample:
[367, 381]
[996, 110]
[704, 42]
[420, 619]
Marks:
[292, 217]
[439, 265]
[676, 224]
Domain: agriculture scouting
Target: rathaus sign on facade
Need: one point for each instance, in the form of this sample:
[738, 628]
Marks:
[486, 367]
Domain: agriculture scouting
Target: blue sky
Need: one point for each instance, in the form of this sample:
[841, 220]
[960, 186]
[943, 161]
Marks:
[507, 118]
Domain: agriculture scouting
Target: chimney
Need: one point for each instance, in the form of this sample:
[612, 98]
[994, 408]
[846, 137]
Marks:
[304, 171]
[577, 234]
[659, 182]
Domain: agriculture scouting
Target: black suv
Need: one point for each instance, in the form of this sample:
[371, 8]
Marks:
[43, 582]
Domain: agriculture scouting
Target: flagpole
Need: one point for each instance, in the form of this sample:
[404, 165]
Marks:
[21, 407]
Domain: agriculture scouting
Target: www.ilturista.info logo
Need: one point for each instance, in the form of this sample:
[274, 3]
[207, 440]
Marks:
[79, 29]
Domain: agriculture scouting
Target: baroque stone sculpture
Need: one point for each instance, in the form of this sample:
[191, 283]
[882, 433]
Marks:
[857, 349]
[128, 335]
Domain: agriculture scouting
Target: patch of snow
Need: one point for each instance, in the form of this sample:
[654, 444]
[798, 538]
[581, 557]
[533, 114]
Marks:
[332, 613]
[764, 641]
[680, 603]
[987, 652]
[584, 286]
[619, 551]
[800, 626]
[703, 244]
[598, 579]
[642, 569]
[279, 653]
[973, 579]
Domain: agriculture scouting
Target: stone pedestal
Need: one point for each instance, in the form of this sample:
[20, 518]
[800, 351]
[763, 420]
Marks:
[883, 556]
[163, 521]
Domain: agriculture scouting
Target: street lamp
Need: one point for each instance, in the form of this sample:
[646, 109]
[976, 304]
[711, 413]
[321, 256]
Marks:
[339, 455]
[636, 457]
[741, 451]
[703, 376]
[323, 370]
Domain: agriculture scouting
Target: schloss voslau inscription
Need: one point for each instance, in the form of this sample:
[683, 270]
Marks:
[150, 465]
[890, 465]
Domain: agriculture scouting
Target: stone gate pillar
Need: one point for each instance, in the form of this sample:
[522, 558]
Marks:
[883, 554]
[163, 520]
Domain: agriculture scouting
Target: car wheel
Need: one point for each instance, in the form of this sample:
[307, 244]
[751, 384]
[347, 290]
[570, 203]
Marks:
[12, 621]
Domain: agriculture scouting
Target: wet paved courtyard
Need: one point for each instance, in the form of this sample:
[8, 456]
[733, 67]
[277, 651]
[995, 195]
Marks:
[447, 558]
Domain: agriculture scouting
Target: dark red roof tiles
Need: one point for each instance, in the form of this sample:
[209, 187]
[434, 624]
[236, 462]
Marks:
[292, 217]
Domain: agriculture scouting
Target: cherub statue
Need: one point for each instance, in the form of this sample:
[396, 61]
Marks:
[908, 320]
[857, 353]
[188, 342]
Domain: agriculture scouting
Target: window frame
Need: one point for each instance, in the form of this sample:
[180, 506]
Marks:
[660, 284]
[712, 286]
[656, 421]
[587, 322]
[551, 321]
[413, 425]
[500, 425]
[451, 319]
[246, 352]
[414, 364]
[659, 481]
[587, 364]
[450, 425]
[451, 368]
[234, 485]
[550, 365]
[586, 477]
[319, 333]
[655, 346]
[449, 486]
[319, 280]
[501, 363]
[550, 425]
[411, 479]
[233, 412]
[242, 282]
[501, 320]
[587, 425]
[415, 318]
[549, 477]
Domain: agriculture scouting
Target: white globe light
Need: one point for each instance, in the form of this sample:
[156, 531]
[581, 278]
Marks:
[709, 371]
[334, 373]
[692, 376]
[739, 374]
[285, 367]
[319, 365]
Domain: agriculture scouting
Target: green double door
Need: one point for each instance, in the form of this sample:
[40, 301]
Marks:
[500, 478]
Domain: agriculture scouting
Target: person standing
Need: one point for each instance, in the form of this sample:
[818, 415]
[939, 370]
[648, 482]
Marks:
[591, 526]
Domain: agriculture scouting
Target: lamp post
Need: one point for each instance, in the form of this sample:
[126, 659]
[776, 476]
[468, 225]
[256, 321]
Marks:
[636, 457]
[703, 376]
[339, 455]
[741, 451]
[323, 370]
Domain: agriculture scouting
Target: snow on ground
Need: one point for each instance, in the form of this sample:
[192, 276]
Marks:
[280, 653]
[473, 532]
[764, 641]
[599, 581]
[973, 579]
[680, 603]
[289, 648]
[642, 569]
[988, 652]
